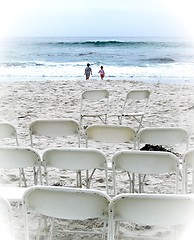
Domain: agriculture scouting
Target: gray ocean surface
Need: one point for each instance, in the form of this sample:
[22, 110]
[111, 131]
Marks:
[165, 60]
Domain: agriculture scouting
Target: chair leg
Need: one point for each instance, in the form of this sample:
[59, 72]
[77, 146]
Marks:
[22, 174]
[104, 230]
[80, 122]
[140, 122]
[120, 120]
[39, 227]
[131, 182]
[116, 230]
[113, 230]
[88, 178]
[51, 228]
[35, 176]
[105, 120]
[79, 179]
[141, 182]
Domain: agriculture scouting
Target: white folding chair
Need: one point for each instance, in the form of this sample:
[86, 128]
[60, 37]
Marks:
[58, 130]
[110, 134]
[94, 104]
[166, 136]
[7, 130]
[76, 159]
[172, 138]
[54, 128]
[17, 158]
[6, 220]
[65, 203]
[143, 163]
[135, 105]
[188, 170]
[154, 210]
[9, 136]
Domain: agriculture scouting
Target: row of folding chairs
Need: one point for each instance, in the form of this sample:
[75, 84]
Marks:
[91, 164]
[100, 133]
[59, 203]
[105, 133]
[95, 104]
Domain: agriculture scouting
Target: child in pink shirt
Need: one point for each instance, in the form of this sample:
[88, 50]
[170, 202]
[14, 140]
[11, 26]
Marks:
[102, 73]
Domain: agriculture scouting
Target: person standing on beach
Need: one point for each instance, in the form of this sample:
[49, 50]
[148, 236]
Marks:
[88, 71]
[102, 73]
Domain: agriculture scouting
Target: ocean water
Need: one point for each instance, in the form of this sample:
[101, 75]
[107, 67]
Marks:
[165, 60]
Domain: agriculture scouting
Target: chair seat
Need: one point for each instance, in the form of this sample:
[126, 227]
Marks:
[12, 193]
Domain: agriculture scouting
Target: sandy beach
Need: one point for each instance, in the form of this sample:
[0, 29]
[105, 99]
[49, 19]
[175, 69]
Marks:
[23, 102]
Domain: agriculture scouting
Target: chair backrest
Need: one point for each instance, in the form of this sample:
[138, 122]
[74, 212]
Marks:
[7, 130]
[95, 94]
[151, 209]
[110, 134]
[138, 99]
[76, 159]
[163, 136]
[54, 128]
[188, 164]
[88, 107]
[112, 137]
[6, 220]
[145, 162]
[66, 203]
[19, 158]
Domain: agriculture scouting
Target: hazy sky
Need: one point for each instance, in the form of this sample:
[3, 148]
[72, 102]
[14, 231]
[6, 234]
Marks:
[96, 18]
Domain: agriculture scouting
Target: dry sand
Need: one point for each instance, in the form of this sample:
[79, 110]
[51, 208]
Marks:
[23, 102]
